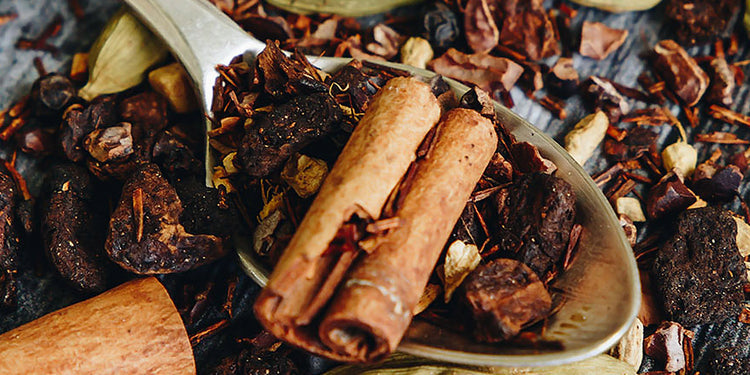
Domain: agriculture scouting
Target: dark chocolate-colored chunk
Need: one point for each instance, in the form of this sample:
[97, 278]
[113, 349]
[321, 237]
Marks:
[563, 77]
[145, 235]
[637, 142]
[503, 296]
[605, 96]
[282, 76]
[256, 362]
[275, 136]
[50, 94]
[680, 71]
[440, 26]
[699, 272]
[73, 227]
[721, 186]
[535, 220]
[668, 196]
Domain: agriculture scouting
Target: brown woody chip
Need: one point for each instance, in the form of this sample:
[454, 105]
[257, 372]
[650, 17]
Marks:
[667, 345]
[680, 71]
[598, 40]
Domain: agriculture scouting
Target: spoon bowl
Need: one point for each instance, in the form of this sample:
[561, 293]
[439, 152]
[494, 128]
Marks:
[600, 290]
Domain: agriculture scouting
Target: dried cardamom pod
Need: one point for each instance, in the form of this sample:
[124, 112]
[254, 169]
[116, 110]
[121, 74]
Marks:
[346, 8]
[617, 6]
[121, 55]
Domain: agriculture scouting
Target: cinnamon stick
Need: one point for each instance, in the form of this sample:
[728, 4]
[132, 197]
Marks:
[132, 329]
[375, 158]
[374, 305]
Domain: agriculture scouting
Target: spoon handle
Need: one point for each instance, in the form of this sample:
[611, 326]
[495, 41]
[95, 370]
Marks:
[199, 35]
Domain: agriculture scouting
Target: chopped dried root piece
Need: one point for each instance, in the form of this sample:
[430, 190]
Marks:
[304, 174]
[631, 207]
[586, 136]
[630, 347]
[460, 260]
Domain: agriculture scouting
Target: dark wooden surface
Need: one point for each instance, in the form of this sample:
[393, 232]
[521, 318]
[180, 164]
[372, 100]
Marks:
[42, 293]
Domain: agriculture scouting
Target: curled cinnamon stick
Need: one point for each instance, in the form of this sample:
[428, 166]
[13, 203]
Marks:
[375, 158]
[373, 307]
[132, 329]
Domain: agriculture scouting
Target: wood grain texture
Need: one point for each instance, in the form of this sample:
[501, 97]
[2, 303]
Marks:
[132, 329]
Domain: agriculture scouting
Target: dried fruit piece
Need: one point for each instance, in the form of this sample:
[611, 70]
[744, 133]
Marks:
[680, 71]
[586, 136]
[460, 260]
[503, 296]
[598, 40]
[631, 207]
[667, 345]
[699, 273]
[416, 52]
[304, 174]
[121, 55]
[173, 83]
[630, 347]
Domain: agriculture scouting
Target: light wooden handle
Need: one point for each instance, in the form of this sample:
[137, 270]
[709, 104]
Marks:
[132, 329]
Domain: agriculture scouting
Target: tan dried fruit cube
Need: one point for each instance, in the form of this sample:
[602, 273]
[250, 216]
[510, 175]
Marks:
[79, 68]
[304, 174]
[630, 347]
[682, 156]
[632, 207]
[416, 52]
[173, 83]
[743, 236]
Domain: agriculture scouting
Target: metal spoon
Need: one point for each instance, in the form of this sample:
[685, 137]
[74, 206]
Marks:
[601, 290]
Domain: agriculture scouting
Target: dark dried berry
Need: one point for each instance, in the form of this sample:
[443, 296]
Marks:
[440, 26]
[36, 140]
[51, 94]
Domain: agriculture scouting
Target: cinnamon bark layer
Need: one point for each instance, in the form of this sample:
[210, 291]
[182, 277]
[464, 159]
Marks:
[375, 158]
[132, 329]
[373, 307]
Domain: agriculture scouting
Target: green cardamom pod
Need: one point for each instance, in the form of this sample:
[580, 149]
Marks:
[617, 6]
[346, 8]
[121, 55]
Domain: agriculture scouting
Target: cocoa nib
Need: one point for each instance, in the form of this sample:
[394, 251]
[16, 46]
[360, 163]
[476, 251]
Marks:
[680, 71]
[669, 195]
[111, 143]
[723, 83]
[147, 112]
[535, 219]
[503, 296]
[638, 141]
[722, 185]
[145, 234]
[672, 345]
[273, 137]
[8, 239]
[73, 227]
[605, 96]
[699, 272]
[598, 40]
[490, 73]
[527, 159]
[699, 21]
